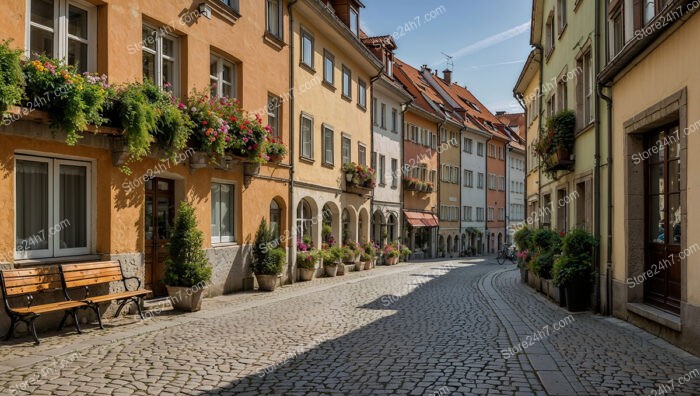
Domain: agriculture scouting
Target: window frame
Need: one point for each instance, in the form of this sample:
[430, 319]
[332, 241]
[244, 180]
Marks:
[229, 239]
[361, 154]
[159, 57]
[280, 19]
[345, 143]
[305, 34]
[362, 93]
[53, 180]
[274, 103]
[302, 155]
[346, 88]
[221, 61]
[327, 55]
[325, 129]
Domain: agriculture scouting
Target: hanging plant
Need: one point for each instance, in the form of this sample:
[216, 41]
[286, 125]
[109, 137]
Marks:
[73, 101]
[11, 77]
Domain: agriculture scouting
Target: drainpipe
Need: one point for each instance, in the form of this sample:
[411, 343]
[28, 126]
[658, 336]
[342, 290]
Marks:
[519, 98]
[506, 208]
[596, 166]
[486, 195]
[292, 158]
[438, 182]
[371, 150]
[539, 117]
[404, 109]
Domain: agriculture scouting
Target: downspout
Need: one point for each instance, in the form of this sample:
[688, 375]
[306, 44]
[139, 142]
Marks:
[438, 182]
[596, 166]
[290, 207]
[404, 109]
[508, 148]
[371, 149]
[486, 194]
[519, 98]
[539, 118]
[609, 266]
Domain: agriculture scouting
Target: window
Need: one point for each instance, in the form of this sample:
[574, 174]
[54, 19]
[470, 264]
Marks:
[501, 214]
[433, 176]
[383, 116]
[433, 143]
[362, 154]
[273, 114]
[381, 170]
[306, 137]
[375, 109]
[468, 145]
[468, 213]
[74, 41]
[394, 120]
[275, 219]
[274, 18]
[354, 21]
[232, 3]
[562, 94]
[550, 34]
[222, 210]
[304, 219]
[362, 94]
[345, 150]
[584, 91]
[490, 214]
[327, 145]
[480, 149]
[468, 178]
[222, 77]
[53, 214]
[480, 181]
[501, 183]
[160, 61]
[347, 82]
[617, 22]
[479, 214]
[561, 15]
[307, 49]
[328, 67]
[394, 173]
[492, 181]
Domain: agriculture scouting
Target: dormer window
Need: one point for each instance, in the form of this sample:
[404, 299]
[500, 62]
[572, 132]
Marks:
[354, 21]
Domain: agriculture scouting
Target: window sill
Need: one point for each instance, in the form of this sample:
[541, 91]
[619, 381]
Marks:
[327, 165]
[229, 14]
[656, 315]
[56, 260]
[273, 41]
[584, 129]
[306, 160]
[307, 68]
[562, 31]
[221, 245]
[361, 107]
[330, 86]
[346, 98]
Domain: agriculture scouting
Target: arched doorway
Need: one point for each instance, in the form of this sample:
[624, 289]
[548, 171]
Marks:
[275, 218]
[449, 245]
[500, 241]
[441, 244]
[330, 227]
[305, 217]
[378, 227]
[391, 228]
[363, 226]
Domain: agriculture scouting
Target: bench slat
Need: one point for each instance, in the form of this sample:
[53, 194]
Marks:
[93, 281]
[18, 273]
[52, 307]
[91, 273]
[13, 291]
[31, 280]
[87, 266]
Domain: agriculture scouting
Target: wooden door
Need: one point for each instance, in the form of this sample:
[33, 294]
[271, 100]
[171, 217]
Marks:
[662, 192]
[160, 212]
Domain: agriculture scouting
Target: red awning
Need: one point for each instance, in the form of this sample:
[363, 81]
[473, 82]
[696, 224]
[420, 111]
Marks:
[420, 219]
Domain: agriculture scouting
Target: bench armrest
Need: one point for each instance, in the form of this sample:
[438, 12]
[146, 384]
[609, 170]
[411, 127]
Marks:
[132, 277]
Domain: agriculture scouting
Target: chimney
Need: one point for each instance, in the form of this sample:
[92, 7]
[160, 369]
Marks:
[447, 76]
[424, 68]
[500, 113]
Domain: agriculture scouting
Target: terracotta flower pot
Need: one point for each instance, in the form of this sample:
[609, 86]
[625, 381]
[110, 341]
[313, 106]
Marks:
[306, 274]
[251, 169]
[331, 270]
[359, 266]
[185, 298]
[266, 282]
[368, 265]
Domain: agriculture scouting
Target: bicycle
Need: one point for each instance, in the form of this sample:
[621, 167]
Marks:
[506, 253]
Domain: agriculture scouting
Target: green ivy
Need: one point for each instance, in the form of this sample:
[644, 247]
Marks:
[11, 76]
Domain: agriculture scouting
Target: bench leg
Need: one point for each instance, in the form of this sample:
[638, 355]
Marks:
[137, 301]
[63, 321]
[96, 308]
[33, 328]
[121, 306]
[74, 314]
[11, 330]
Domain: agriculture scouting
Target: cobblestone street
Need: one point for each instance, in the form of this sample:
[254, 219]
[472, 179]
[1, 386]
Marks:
[420, 329]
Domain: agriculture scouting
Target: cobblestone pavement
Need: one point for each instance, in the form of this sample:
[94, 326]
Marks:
[420, 329]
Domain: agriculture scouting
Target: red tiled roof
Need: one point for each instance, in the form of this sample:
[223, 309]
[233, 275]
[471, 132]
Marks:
[413, 82]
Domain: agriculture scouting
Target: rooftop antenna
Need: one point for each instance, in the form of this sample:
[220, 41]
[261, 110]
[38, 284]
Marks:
[448, 60]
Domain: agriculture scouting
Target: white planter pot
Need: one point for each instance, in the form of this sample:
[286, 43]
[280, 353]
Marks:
[185, 298]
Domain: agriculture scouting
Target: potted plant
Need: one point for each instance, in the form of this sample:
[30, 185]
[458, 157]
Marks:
[275, 149]
[370, 250]
[523, 240]
[331, 260]
[361, 176]
[352, 252]
[11, 77]
[267, 264]
[187, 264]
[556, 142]
[574, 271]
[306, 262]
[391, 254]
[405, 253]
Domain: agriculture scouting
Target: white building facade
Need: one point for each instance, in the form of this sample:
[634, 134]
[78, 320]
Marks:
[473, 164]
[515, 174]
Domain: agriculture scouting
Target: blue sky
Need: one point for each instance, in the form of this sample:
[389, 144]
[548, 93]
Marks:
[489, 40]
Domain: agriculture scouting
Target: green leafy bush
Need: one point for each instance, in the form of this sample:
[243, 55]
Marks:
[546, 244]
[332, 255]
[308, 259]
[11, 76]
[523, 238]
[266, 261]
[73, 101]
[187, 265]
[576, 263]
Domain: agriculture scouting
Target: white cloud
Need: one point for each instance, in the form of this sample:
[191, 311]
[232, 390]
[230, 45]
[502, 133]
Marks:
[498, 64]
[489, 41]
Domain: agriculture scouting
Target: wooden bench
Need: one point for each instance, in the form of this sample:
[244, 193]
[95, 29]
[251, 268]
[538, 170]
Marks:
[27, 282]
[84, 275]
